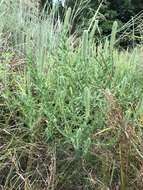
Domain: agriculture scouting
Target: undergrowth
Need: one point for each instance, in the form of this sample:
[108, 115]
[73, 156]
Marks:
[71, 111]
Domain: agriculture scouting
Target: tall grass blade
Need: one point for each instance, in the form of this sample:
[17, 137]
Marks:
[85, 45]
[87, 98]
[113, 36]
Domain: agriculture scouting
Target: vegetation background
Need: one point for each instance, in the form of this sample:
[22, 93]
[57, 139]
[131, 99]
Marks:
[110, 10]
[71, 101]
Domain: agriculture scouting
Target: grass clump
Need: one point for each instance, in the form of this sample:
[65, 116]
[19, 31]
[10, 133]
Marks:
[71, 117]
